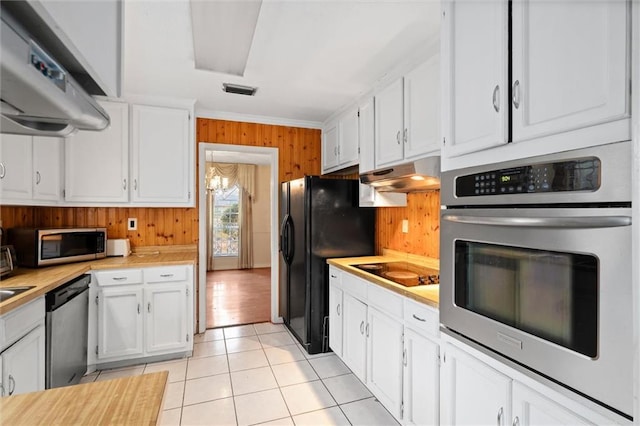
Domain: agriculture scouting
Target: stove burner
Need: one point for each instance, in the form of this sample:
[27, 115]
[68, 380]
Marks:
[371, 267]
[403, 273]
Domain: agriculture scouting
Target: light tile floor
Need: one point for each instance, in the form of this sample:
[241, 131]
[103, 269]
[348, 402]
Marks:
[259, 374]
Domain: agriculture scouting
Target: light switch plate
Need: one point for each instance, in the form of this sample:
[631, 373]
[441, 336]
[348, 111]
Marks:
[132, 224]
[405, 226]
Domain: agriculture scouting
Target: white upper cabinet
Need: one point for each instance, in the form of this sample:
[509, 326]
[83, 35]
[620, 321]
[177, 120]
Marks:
[407, 116]
[474, 75]
[15, 167]
[97, 163]
[569, 66]
[389, 126]
[422, 109]
[558, 79]
[340, 144]
[92, 31]
[161, 155]
[47, 168]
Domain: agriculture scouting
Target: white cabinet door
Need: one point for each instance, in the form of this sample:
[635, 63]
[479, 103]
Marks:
[474, 75]
[384, 360]
[335, 319]
[421, 380]
[354, 348]
[570, 66]
[161, 148]
[329, 147]
[531, 408]
[16, 174]
[120, 322]
[472, 392]
[97, 163]
[23, 364]
[389, 130]
[348, 139]
[166, 317]
[422, 109]
[366, 136]
[47, 168]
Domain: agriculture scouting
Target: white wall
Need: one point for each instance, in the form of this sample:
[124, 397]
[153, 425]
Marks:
[261, 225]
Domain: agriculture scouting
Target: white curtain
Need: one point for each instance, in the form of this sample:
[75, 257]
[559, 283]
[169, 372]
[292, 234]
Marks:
[244, 175]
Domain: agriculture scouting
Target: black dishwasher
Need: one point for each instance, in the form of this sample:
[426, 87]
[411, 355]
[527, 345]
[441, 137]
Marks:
[67, 333]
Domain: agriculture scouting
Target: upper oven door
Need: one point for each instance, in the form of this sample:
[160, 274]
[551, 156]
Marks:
[549, 288]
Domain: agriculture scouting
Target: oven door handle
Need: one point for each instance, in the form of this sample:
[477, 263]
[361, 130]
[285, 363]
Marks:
[543, 222]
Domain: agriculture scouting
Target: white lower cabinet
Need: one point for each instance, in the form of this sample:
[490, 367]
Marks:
[144, 312]
[474, 392]
[120, 322]
[354, 343]
[421, 388]
[384, 359]
[336, 309]
[23, 364]
[22, 349]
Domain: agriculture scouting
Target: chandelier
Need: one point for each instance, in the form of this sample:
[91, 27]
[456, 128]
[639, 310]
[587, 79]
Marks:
[217, 183]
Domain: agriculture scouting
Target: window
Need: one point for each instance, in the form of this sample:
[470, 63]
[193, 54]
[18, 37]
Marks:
[225, 222]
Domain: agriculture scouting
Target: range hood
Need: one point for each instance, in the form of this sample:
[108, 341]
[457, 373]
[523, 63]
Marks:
[417, 176]
[39, 97]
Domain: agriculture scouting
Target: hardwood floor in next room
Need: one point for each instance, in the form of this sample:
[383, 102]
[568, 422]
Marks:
[239, 296]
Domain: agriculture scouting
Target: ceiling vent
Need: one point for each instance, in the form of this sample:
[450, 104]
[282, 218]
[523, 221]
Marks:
[238, 89]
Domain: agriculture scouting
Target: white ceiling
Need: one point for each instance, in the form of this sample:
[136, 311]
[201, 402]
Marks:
[308, 58]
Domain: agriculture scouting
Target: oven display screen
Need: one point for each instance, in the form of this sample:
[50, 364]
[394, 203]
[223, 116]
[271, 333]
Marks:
[574, 175]
[551, 295]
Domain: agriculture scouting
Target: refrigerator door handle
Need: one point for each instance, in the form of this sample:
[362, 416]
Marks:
[283, 237]
[290, 238]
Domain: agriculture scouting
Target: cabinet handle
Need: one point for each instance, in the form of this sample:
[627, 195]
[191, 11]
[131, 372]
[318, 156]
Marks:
[516, 422]
[516, 94]
[496, 98]
[119, 278]
[404, 357]
[166, 275]
[37, 178]
[3, 171]
[334, 276]
[124, 184]
[362, 327]
[405, 136]
[135, 184]
[12, 385]
[138, 309]
[398, 137]
[500, 413]
[367, 329]
[149, 307]
[338, 309]
[1, 389]
[418, 318]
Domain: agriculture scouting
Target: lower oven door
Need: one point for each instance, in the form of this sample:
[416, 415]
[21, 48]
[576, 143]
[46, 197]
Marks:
[547, 288]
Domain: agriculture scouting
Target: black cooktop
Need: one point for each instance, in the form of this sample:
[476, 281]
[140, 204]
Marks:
[403, 273]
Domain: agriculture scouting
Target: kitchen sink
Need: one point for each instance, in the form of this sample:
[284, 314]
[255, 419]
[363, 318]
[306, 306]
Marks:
[9, 292]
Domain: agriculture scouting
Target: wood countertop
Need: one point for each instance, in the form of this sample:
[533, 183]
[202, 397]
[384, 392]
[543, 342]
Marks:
[135, 400]
[428, 294]
[46, 279]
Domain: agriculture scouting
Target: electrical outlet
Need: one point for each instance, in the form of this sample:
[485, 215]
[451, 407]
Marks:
[405, 226]
[132, 224]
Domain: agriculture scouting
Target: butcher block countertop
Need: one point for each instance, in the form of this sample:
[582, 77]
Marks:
[135, 400]
[427, 294]
[47, 279]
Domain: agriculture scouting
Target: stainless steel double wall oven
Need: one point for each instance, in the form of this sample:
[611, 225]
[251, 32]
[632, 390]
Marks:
[536, 267]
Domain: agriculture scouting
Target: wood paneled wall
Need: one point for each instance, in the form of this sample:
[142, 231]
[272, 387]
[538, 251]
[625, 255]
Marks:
[299, 154]
[423, 213]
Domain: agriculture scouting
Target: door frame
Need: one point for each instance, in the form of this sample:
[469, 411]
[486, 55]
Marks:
[202, 211]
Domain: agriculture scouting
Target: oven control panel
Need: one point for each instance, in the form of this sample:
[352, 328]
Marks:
[582, 174]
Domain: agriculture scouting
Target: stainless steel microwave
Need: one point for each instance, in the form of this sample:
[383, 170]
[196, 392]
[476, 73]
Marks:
[37, 247]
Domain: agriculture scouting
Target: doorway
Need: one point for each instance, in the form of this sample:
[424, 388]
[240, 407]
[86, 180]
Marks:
[227, 295]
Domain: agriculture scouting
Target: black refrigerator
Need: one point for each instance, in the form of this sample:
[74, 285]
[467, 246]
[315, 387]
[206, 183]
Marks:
[319, 219]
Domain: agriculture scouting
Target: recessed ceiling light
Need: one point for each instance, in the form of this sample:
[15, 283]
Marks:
[239, 89]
